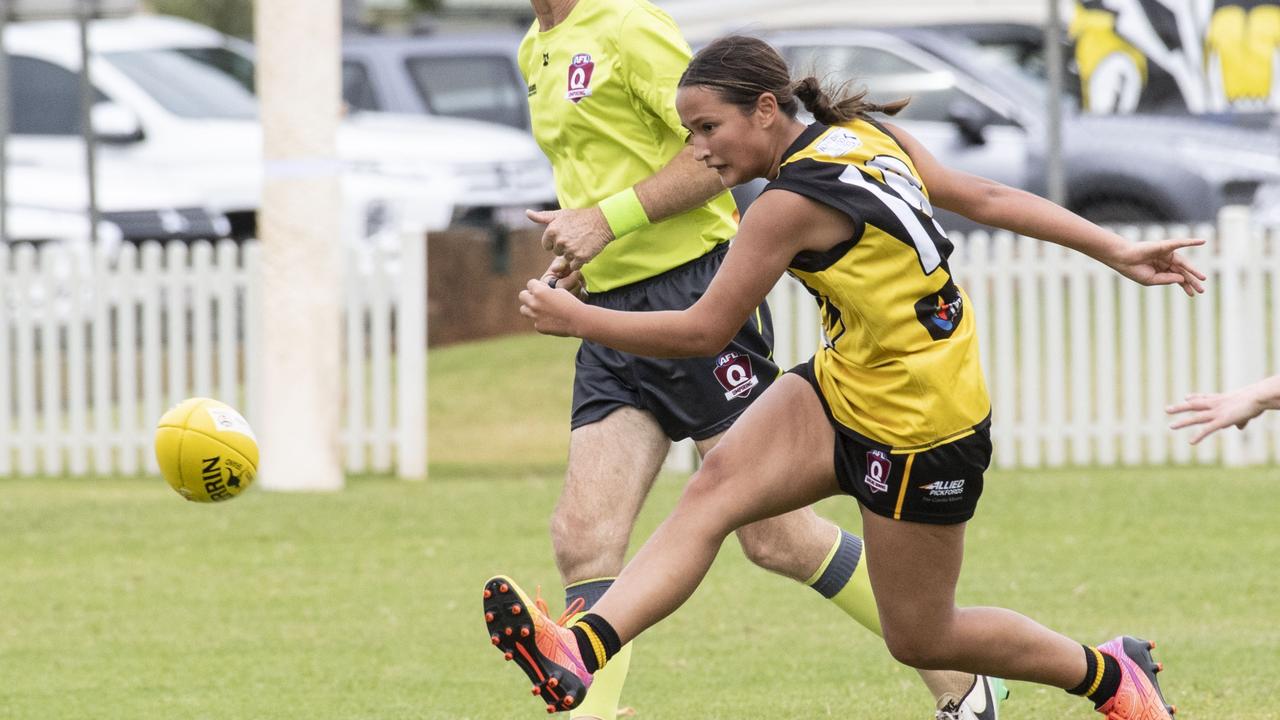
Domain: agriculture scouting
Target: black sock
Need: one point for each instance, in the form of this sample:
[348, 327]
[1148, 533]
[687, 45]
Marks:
[597, 641]
[1103, 681]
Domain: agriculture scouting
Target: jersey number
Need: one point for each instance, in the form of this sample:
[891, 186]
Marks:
[906, 197]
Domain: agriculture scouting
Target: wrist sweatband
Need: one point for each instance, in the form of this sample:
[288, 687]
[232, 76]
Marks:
[623, 212]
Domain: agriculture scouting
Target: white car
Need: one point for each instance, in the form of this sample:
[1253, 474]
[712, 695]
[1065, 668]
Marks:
[138, 205]
[41, 225]
[173, 100]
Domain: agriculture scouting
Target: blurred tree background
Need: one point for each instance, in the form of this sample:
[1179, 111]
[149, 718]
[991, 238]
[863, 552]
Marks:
[233, 17]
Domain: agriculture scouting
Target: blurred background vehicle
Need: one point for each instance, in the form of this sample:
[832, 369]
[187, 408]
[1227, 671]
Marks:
[471, 75]
[1023, 44]
[39, 225]
[979, 101]
[174, 99]
[979, 112]
[140, 205]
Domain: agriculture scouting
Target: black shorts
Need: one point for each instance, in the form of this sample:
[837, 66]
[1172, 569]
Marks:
[690, 397]
[940, 485]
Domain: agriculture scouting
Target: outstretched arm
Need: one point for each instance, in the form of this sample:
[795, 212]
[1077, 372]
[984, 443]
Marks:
[992, 203]
[780, 225]
[1214, 411]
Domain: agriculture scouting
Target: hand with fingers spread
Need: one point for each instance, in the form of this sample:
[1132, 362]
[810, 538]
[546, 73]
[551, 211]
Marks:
[552, 310]
[575, 235]
[1213, 411]
[1159, 263]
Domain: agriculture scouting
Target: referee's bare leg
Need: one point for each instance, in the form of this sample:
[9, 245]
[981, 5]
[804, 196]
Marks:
[612, 466]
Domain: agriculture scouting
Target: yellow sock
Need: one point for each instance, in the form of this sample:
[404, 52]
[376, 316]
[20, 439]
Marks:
[606, 688]
[842, 578]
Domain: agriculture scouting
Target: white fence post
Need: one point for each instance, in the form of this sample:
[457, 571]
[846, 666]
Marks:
[24, 326]
[411, 356]
[1273, 252]
[131, 433]
[1239, 336]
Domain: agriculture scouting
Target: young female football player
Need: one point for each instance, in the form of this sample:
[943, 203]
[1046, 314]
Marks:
[892, 409]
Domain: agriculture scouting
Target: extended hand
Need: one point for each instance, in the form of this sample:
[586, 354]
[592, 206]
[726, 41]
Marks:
[1214, 411]
[552, 310]
[576, 235]
[1158, 263]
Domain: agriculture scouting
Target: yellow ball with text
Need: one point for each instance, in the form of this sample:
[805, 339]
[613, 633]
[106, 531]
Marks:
[206, 450]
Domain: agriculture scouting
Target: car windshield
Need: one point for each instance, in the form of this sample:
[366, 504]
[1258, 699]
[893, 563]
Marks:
[999, 70]
[205, 83]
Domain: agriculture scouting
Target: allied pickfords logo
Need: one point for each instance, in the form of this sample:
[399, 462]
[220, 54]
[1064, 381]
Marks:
[580, 77]
[945, 488]
[878, 467]
[733, 371]
[940, 312]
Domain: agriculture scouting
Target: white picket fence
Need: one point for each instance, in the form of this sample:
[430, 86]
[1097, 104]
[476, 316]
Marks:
[93, 350]
[1081, 363]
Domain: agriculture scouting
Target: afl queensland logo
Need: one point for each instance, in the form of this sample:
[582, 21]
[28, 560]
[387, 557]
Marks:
[733, 371]
[580, 77]
[878, 467]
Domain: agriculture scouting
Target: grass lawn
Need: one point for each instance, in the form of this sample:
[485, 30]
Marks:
[119, 600]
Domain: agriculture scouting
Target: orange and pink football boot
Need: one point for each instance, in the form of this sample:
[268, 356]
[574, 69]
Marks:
[543, 648]
[1139, 696]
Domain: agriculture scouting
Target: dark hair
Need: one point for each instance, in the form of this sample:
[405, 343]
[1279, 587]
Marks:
[741, 69]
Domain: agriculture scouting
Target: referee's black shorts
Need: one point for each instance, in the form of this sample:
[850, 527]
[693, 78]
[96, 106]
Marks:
[690, 397]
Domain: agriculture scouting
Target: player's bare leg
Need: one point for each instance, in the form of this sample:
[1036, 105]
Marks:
[801, 545]
[927, 630]
[778, 458]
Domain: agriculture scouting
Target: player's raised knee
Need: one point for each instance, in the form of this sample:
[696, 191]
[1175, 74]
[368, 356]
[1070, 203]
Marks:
[711, 479]
[917, 649]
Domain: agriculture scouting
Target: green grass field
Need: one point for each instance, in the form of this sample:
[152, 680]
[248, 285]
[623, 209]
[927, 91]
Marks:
[119, 600]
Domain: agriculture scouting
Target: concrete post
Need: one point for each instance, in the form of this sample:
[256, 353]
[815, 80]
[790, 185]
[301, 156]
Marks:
[299, 223]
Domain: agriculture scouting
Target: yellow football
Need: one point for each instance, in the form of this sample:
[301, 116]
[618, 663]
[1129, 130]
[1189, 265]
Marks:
[206, 450]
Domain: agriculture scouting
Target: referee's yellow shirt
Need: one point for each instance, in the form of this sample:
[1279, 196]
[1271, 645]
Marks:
[602, 88]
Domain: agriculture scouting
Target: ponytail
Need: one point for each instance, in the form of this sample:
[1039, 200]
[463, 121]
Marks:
[840, 105]
[740, 69]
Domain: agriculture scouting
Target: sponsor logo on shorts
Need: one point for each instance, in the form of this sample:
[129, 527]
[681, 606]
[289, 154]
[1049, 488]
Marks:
[945, 488]
[580, 77]
[733, 371]
[878, 467]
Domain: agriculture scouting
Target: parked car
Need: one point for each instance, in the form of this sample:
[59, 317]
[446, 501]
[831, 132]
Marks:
[45, 225]
[978, 114]
[461, 75]
[172, 99]
[138, 204]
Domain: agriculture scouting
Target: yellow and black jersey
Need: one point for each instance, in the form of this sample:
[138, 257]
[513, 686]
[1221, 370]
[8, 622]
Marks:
[899, 366]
